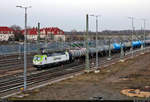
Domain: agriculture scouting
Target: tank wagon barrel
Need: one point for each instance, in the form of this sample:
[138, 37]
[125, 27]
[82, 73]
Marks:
[78, 53]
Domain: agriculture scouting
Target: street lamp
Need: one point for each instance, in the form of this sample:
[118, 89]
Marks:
[132, 18]
[96, 40]
[25, 53]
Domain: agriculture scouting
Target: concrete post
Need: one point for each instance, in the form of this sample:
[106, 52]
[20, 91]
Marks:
[87, 46]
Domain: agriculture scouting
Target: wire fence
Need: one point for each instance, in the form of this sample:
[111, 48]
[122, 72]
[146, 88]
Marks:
[34, 47]
[19, 48]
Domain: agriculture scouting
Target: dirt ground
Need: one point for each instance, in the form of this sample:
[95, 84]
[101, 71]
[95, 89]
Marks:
[133, 73]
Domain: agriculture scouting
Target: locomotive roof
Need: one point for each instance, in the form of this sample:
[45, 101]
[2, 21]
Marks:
[55, 53]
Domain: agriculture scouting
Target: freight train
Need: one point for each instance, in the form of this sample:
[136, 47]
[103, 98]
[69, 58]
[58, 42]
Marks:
[46, 59]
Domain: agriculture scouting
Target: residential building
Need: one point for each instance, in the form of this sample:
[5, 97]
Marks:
[51, 33]
[6, 33]
[31, 34]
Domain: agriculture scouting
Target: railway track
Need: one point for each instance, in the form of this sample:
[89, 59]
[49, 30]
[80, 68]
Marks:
[11, 56]
[34, 77]
[14, 58]
[13, 83]
[13, 63]
[20, 67]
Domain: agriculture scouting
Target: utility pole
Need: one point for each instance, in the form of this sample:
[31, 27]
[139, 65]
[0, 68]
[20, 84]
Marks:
[122, 52]
[46, 41]
[96, 44]
[25, 46]
[144, 34]
[109, 57]
[132, 34]
[97, 65]
[38, 39]
[87, 46]
[142, 43]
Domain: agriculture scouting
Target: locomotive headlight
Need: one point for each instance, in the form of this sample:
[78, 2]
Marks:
[37, 62]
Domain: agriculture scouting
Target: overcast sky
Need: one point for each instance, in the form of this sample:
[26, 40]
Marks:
[70, 14]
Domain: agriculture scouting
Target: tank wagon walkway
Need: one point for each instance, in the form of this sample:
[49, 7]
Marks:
[133, 73]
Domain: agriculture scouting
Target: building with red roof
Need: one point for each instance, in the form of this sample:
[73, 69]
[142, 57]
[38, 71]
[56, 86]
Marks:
[31, 33]
[52, 33]
[6, 33]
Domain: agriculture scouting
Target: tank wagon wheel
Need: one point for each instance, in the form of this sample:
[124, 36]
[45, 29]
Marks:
[62, 65]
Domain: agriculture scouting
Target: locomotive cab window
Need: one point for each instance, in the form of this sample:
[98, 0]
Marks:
[37, 58]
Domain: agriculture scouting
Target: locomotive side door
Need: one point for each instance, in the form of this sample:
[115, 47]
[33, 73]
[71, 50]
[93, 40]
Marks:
[44, 59]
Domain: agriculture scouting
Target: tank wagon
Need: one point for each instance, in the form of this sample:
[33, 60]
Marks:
[147, 42]
[57, 58]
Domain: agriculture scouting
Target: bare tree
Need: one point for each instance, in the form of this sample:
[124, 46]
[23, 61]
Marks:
[17, 33]
[15, 27]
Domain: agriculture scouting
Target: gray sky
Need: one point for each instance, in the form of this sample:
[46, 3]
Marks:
[70, 14]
